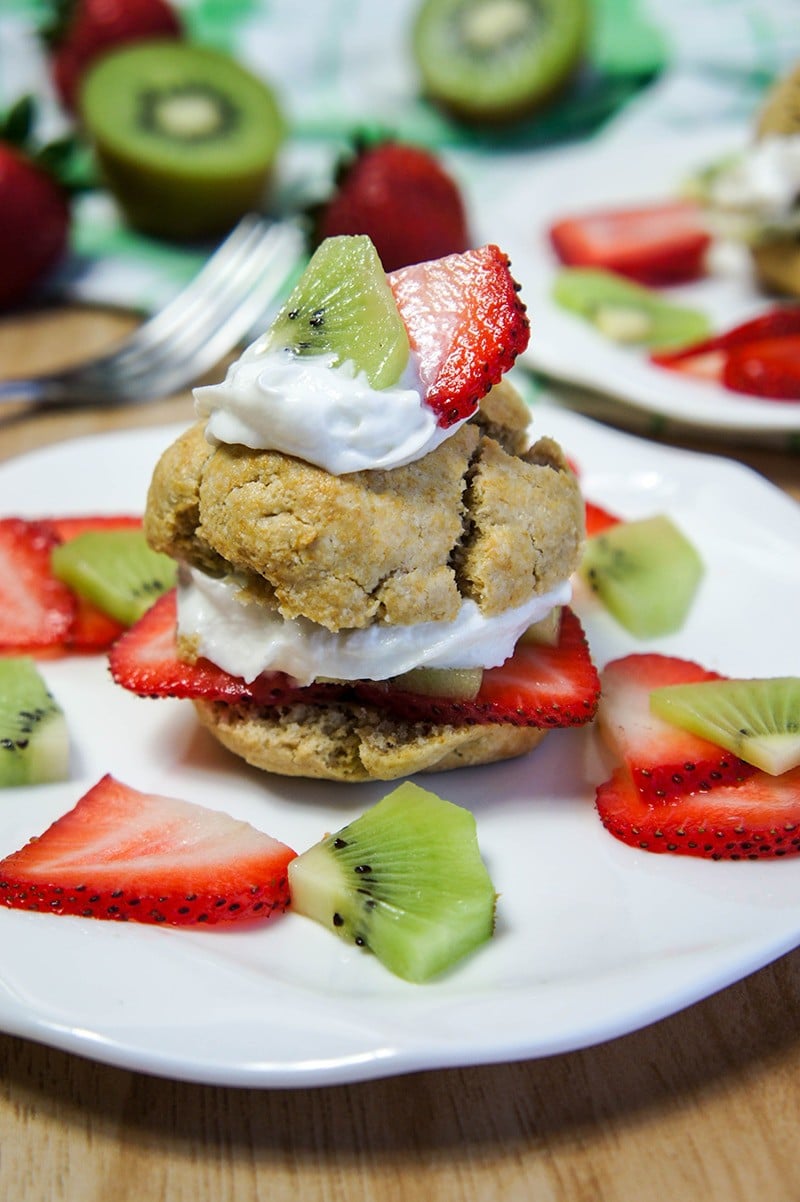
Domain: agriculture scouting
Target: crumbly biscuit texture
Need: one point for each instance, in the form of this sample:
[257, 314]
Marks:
[480, 517]
[355, 743]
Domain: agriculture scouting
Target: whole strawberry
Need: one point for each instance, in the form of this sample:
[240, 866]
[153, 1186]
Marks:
[402, 197]
[80, 31]
[34, 207]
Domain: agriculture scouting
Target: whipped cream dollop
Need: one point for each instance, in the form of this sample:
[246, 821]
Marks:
[316, 409]
[247, 639]
[763, 180]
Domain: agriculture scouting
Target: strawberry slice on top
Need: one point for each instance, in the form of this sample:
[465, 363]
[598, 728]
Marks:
[36, 610]
[466, 323]
[126, 855]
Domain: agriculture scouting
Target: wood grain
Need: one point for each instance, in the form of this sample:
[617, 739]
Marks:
[700, 1106]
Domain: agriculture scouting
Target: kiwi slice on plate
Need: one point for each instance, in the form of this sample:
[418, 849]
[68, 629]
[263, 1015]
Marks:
[626, 312]
[405, 881]
[343, 304]
[34, 741]
[758, 720]
[645, 572]
[496, 60]
[184, 136]
[116, 570]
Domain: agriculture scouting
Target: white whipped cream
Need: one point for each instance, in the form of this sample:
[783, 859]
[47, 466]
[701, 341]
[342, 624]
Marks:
[314, 409]
[764, 180]
[247, 640]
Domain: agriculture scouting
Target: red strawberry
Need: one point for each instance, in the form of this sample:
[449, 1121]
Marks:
[664, 761]
[83, 30]
[145, 661]
[756, 820]
[466, 323]
[121, 854]
[36, 610]
[598, 519]
[768, 367]
[539, 685]
[406, 202]
[71, 526]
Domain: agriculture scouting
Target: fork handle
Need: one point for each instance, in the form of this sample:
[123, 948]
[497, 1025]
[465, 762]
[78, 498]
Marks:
[21, 390]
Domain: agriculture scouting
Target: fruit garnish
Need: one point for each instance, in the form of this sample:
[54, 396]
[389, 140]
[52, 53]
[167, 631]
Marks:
[126, 855]
[36, 610]
[645, 572]
[34, 740]
[403, 199]
[465, 322]
[405, 881]
[115, 570]
[627, 312]
[757, 719]
[80, 31]
[663, 760]
[655, 245]
[185, 137]
[343, 305]
[540, 685]
[496, 60]
[769, 367]
[598, 518]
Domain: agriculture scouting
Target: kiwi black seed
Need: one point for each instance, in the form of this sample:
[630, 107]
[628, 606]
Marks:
[405, 881]
[185, 136]
[496, 60]
[34, 741]
[116, 570]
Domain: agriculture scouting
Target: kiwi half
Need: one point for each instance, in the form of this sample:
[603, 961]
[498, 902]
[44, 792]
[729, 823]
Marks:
[343, 304]
[496, 60]
[405, 881]
[184, 136]
[627, 312]
[116, 570]
[34, 741]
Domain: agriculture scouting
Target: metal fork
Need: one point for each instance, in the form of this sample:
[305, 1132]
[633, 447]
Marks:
[190, 334]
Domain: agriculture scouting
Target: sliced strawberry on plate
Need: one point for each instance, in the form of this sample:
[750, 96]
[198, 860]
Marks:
[662, 760]
[655, 244]
[466, 323]
[71, 525]
[540, 685]
[758, 819]
[598, 518]
[767, 367]
[125, 855]
[36, 610]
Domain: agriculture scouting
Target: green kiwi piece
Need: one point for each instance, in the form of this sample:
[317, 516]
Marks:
[116, 570]
[460, 684]
[405, 881]
[184, 136]
[343, 304]
[546, 631]
[628, 312]
[758, 719]
[34, 741]
[645, 572]
[497, 60]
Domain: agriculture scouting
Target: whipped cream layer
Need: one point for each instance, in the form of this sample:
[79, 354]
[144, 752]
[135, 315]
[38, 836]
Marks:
[326, 413]
[764, 180]
[246, 639]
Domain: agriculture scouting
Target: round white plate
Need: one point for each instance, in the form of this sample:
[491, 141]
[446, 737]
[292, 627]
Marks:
[515, 203]
[594, 939]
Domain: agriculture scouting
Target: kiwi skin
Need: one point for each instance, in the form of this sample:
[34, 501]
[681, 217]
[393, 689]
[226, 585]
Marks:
[180, 188]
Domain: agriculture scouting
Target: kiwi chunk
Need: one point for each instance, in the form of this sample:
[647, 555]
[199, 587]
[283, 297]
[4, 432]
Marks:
[628, 312]
[34, 741]
[460, 684]
[116, 570]
[405, 881]
[496, 60]
[184, 136]
[645, 572]
[546, 632]
[758, 719]
[342, 304]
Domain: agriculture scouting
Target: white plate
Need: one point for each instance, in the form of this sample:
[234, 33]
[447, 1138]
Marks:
[594, 939]
[515, 205]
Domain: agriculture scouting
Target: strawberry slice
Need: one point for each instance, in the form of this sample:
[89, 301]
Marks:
[540, 685]
[72, 525]
[121, 854]
[598, 518]
[767, 367]
[466, 323]
[36, 610]
[663, 761]
[654, 244]
[758, 819]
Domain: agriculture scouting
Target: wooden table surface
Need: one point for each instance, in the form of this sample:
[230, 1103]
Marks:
[703, 1105]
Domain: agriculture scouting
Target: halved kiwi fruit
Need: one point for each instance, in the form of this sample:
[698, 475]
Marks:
[116, 570]
[34, 740]
[496, 60]
[627, 312]
[184, 136]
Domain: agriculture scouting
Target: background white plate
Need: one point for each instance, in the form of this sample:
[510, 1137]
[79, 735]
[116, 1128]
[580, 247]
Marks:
[515, 205]
[594, 939]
